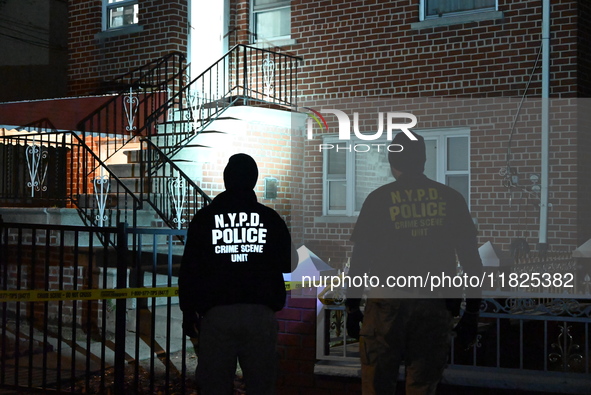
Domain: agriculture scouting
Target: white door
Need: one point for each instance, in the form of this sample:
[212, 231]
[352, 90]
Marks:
[208, 28]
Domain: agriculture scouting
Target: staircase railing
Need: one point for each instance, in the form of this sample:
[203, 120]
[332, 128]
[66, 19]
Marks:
[43, 167]
[173, 195]
[164, 114]
[245, 75]
[141, 92]
[148, 75]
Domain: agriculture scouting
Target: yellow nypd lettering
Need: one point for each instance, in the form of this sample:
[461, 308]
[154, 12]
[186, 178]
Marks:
[414, 195]
[417, 210]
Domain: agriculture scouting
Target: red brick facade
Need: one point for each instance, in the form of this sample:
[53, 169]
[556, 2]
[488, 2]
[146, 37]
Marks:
[361, 49]
[297, 350]
[96, 57]
[270, 146]
[358, 49]
[55, 269]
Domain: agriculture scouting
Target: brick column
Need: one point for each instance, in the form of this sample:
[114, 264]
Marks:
[297, 348]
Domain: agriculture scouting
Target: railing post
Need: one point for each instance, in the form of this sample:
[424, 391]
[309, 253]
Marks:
[245, 77]
[120, 310]
[2, 245]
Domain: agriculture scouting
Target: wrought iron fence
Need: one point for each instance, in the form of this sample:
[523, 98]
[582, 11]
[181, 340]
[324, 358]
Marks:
[522, 332]
[42, 167]
[81, 316]
[31, 173]
[518, 339]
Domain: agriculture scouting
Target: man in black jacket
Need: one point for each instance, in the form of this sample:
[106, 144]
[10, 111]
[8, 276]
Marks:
[231, 282]
[409, 229]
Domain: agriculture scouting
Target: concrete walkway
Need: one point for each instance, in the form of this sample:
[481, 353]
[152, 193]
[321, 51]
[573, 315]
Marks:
[56, 361]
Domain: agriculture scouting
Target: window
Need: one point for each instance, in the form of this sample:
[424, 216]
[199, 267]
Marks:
[448, 159]
[119, 13]
[271, 19]
[438, 8]
[354, 169]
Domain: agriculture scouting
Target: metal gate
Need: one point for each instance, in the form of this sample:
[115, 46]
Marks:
[92, 310]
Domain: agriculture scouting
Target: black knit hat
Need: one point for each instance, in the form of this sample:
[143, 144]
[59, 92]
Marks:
[412, 157]
[241, 172]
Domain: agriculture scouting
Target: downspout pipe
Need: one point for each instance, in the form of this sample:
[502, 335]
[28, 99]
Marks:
[545, 132]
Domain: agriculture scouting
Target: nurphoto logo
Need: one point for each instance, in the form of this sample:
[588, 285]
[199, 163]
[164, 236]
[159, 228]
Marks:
[390, 119]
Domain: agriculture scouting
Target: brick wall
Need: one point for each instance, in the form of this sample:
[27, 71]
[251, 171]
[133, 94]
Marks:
[46, 260]
[239, 22]
[297, 351]
[360, 49]
[369, 48]
[94, 58]
[41, 270]
[271, 148]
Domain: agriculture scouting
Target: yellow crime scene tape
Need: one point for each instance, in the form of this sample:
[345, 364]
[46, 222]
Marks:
[97, 294]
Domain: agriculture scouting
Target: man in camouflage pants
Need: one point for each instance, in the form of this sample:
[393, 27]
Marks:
[410, 227]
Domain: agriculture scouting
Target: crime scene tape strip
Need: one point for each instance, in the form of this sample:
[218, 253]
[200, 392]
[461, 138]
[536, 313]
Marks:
[97, 294]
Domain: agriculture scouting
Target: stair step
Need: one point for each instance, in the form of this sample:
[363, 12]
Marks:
[167, 134]
[134, 184]
[204, 120]
[164, 130]
[133, 156]
[126, 170]
[113, 200]
[188, 157]
[185, 146]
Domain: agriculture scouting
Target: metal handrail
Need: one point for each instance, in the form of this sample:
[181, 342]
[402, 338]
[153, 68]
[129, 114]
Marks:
[243, 75]
[137, 77]
[123, 115]
[170, 113]
[100, 197]
[171, 193]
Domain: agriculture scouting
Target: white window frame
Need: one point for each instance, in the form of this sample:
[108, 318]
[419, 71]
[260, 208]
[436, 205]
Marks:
[349, 179]
[423, 11]
[254, 10]
[441, 137]
[108, 6]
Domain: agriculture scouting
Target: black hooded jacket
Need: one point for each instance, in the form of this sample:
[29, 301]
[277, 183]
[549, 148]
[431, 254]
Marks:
[236, 251]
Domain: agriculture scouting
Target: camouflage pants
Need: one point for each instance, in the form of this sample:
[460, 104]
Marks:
[416, 331]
